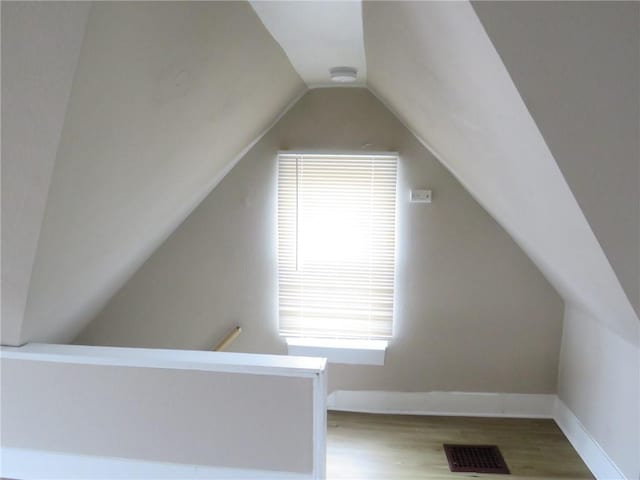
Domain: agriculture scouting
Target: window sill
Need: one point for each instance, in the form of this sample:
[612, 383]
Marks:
[358, 352]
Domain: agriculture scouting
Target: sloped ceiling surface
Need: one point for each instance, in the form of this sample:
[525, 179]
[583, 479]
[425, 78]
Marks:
[165, 97]
[577, 67]
[40, 50]
[317, 36]
[448, 84]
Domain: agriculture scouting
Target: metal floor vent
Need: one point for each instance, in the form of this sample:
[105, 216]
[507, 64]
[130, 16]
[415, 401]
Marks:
[475, 458]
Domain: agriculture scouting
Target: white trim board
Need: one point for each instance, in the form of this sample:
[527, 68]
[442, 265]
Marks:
[471, 404]
[257, 364]
[587, 447]
[320, 426]
[359, 352]
[480, 404]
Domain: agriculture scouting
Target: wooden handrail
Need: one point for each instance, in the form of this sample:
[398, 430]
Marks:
[226, 341]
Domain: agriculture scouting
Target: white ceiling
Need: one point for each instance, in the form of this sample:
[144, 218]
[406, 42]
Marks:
[317, 36]
[38, 63]
[559, 55]
[479, 127]
[138, 152]
[432, 93]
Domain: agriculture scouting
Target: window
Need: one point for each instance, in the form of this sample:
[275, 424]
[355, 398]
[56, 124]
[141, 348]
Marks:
[336, 245]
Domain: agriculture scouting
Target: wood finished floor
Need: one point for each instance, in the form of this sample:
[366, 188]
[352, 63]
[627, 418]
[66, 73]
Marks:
[390, 447]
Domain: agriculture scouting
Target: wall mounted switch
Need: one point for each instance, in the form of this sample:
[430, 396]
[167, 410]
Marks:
[420, 196]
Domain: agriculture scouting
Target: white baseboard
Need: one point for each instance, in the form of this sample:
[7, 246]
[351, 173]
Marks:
[471, 404]
[40, 465]
[602, 467]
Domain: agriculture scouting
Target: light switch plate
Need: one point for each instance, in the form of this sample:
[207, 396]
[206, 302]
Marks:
[420, 196]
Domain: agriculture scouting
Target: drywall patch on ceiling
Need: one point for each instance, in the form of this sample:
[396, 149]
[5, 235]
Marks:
[317, 36]
[436, 68]
[41, 43]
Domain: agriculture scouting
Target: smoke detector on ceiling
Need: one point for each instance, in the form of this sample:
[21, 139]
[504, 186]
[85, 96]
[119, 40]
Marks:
[343, 74]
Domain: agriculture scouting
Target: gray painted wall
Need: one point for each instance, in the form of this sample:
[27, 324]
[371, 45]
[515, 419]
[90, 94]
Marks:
[473, 312]
[165, 96]
[599, 380]
[577, 67]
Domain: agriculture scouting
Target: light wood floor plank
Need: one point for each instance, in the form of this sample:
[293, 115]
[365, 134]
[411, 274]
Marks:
[405, 447]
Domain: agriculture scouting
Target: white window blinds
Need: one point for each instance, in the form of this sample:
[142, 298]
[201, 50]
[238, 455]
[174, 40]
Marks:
[336, 245]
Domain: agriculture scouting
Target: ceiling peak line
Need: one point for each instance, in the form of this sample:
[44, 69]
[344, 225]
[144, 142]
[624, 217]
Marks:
[318, 37]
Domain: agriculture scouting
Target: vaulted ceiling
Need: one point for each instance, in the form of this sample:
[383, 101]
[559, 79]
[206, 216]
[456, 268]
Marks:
[119, 118]
[450, 86]
[163, 99]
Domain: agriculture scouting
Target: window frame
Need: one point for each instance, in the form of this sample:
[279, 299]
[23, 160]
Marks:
[341, 349]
